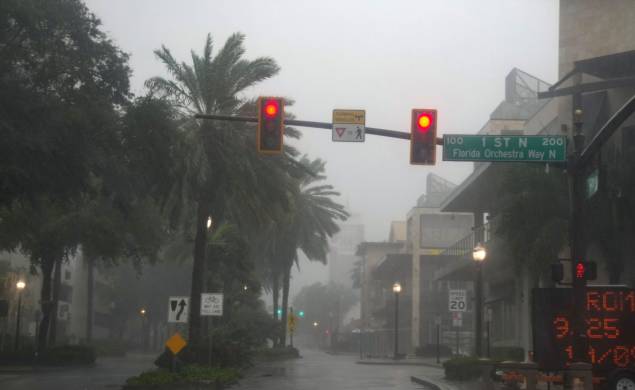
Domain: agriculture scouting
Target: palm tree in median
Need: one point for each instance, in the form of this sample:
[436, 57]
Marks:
[311, 220]
[223, 176]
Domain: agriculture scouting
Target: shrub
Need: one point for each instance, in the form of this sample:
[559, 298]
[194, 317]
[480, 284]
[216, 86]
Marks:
[516, 354]
[68, 355]
[430, 350]
[190, 374]
[464, 368]
[22, 357]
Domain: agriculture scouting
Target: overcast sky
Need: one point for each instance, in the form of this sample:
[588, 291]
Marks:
[386, 57]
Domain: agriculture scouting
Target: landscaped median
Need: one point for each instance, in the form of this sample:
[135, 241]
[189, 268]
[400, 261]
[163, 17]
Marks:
[188, 377]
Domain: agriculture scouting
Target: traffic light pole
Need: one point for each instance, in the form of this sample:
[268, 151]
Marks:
[316, 125]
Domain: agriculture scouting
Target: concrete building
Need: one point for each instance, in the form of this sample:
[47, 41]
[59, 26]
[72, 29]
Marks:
[597, 75]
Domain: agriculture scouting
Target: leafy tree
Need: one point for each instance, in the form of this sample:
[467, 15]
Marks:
[60, 80]
[223, 177]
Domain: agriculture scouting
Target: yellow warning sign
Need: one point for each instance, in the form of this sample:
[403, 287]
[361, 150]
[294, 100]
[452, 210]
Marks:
[176, 343]
[291, 322]
[353, 117]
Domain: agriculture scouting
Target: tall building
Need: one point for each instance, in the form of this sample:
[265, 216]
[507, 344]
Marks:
[342, 251]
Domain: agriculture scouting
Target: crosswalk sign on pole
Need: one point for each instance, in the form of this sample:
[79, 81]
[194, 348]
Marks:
[178, 309]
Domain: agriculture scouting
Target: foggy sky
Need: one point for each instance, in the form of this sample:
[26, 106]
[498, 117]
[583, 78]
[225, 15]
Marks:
[386, 57]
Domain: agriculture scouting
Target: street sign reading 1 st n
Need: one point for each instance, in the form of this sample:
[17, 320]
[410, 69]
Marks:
[513, 148]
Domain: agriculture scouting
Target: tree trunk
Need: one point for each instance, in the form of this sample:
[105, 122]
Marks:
[57, 285]
[45, 303]
[286, 279]
[275, 286]
[90, 291]
[198, 269]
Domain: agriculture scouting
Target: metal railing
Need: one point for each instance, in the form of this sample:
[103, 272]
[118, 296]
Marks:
[465, 245]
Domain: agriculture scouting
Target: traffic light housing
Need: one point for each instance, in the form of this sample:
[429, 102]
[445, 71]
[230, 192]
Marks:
[557, 272]
[423, 137]
[585, 270]
[270, 131]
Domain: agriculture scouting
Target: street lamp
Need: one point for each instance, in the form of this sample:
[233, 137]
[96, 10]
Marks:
[478, 255]
[209, 223]
[396, 288]
[315, 324]
[20, 285]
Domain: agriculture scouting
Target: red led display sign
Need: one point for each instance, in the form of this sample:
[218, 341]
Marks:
[610, 327]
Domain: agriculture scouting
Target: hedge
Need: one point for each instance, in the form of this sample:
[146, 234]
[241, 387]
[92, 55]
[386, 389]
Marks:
[189, 374]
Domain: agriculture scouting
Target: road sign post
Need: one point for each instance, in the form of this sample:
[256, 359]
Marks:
[349, 126]
[501, 148]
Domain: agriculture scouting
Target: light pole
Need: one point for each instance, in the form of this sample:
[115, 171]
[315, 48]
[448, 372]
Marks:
[142, 313]
[396, 288]
[478, 255]
[20, 285]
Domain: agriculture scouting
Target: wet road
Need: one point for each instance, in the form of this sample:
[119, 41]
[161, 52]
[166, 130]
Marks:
[318, 370]
[108, 373]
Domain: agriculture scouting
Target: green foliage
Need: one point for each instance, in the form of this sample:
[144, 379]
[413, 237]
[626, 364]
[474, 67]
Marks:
[192, 374]
[61, 78]
[463, 368]
[533, 214]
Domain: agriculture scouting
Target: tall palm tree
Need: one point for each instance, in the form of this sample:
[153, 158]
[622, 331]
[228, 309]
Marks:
[223, 175]
[312, 219]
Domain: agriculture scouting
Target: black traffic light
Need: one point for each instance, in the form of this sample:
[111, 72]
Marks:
[585, 270]
[270, 125]
[423, 137]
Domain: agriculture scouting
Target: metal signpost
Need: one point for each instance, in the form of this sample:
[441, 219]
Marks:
[349, 126]
[511, 148]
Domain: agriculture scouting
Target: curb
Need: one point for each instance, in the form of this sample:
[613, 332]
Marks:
[398, 363]
[427, 383]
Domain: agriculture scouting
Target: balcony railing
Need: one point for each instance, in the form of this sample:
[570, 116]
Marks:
[464, 246]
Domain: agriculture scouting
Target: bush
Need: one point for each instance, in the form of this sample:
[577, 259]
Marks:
[190, 374]
[278, 353]
[516, 354]
[464, 368]
[68, 355]
[430, 350]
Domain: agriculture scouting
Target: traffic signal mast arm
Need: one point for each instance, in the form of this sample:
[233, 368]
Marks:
[317, 125]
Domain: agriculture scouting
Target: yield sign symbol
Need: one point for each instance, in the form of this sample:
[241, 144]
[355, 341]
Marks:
[340, 131]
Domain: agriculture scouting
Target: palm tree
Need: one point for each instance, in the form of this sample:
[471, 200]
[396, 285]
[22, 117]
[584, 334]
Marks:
[223, 176]
[312, 219]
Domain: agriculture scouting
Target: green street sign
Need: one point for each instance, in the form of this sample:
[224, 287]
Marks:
[512, 148]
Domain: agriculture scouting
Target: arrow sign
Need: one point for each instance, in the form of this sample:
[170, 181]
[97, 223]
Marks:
[178, 309]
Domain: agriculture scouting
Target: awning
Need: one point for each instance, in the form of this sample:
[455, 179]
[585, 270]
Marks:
[616, 71]
[393, 267]
[477, 192]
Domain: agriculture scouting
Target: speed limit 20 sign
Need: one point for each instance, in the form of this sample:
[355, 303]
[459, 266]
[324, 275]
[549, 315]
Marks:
[458, 300]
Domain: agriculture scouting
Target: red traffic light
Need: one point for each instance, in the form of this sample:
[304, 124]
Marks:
[424, 121]
[270, 130]
[423, 136]
[271, 108]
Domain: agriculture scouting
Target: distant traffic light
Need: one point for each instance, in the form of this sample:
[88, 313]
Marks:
[270, 125]
[279, 312]
[301, 314]
[423, 137]
[585, 270]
